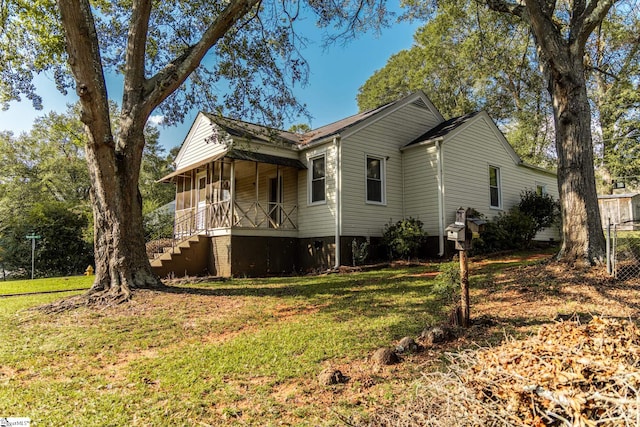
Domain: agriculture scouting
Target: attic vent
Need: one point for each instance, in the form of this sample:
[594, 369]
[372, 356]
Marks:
[419, 103]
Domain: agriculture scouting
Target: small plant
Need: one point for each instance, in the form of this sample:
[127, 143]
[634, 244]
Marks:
[447, 282]
[359, 252]
[404, 238]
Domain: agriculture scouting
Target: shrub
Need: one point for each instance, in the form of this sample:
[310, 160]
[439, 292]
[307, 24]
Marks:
[447, 282]
[542, 208]
[404, 238]
[516, 228]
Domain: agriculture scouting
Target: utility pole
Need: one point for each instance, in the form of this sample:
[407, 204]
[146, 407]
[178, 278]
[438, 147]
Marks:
[33, 238]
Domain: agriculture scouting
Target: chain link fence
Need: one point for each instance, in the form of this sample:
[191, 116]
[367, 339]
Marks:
[623, 250]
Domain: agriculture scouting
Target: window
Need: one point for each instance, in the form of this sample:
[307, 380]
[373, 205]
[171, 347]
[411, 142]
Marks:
[541, 189]
[494, 186]
[375, 179]
[318, 180]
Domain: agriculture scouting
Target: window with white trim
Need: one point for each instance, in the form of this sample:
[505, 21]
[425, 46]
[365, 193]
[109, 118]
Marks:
[317, 182]
[494, 187]
[541, 189]
[375, 179]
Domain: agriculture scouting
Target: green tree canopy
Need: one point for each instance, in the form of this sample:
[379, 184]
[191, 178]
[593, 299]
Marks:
[468, 58]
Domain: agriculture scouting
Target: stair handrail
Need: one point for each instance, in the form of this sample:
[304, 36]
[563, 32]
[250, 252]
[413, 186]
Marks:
[183, 229]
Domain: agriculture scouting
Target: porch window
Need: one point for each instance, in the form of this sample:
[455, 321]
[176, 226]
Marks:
[318, 179]
[494, 187]
[375, 179]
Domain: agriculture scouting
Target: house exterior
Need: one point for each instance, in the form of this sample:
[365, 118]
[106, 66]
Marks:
[620, 209]
[264, 201]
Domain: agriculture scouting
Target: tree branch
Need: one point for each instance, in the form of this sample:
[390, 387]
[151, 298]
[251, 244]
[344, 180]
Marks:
[167, 80]
[86, 65]
[506, 7]
[135, 55]
[588, 18]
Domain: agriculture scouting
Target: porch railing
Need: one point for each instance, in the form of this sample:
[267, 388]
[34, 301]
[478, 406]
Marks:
[273, 215]
[186, 225]
[201, 220]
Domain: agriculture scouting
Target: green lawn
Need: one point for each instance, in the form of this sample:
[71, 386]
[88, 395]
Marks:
[45, 285]
[243, 352]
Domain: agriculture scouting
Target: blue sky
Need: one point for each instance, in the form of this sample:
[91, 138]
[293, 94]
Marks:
[330, 95]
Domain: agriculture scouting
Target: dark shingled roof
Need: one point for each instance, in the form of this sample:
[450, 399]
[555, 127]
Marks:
[443, 128]
[253, 131]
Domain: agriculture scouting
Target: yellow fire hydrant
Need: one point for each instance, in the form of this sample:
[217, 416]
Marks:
[89, 271]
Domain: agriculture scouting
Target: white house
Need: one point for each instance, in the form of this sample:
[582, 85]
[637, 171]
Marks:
[266, 201]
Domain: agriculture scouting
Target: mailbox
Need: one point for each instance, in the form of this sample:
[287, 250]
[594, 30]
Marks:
[476, 226]
[464, 229]
[456, 232]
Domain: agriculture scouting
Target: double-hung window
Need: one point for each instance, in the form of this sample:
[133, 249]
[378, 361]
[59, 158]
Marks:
[494, 187]
[375, 179]
[317, 183]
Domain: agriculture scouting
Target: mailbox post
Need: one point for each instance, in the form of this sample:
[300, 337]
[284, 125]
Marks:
[462, 232]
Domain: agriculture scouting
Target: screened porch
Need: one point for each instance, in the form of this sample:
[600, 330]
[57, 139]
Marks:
[239, 191]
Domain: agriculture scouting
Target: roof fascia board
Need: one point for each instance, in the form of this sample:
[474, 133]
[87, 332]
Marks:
[392, 109]
[239, 140]
[539, 169]
[324, 140]
[424, 143]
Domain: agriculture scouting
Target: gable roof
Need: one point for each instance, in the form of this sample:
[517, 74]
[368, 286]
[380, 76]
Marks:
[444, 128]
[336, 127]
[357, 121]
[248, 130]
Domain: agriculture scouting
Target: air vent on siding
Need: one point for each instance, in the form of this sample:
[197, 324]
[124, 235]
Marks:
[419, 103]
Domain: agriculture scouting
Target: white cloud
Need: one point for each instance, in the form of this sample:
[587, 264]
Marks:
[156, 120]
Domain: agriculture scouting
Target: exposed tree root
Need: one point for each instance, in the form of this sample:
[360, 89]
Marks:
[96, 298]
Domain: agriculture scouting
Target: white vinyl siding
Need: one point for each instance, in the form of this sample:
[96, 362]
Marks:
[466, 157]
[375, 177]
[317, 220]
[421, 186]
[381, 139]
[199, 143]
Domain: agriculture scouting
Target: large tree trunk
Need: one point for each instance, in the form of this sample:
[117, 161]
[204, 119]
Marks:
[583, 239]
[121, 259]
[114, 167]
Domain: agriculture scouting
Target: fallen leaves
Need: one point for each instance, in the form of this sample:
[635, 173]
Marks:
[568, 374]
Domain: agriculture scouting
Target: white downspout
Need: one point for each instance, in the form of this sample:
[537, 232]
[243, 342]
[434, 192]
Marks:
[336, 144]
[440, 197]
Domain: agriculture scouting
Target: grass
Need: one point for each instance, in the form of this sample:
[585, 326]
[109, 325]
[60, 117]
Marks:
[236, 352]
[53, 284]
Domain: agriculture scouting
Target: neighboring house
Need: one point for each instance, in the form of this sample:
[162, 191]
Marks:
[621, 209]
[266, 201]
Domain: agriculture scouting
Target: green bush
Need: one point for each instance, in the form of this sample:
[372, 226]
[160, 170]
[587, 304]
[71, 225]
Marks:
[516, 228]
[404, 238]
[543, 209]
[447, 282]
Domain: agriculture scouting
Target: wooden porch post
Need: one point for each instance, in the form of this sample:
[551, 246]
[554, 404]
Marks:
[257, 180]
[232, 188]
